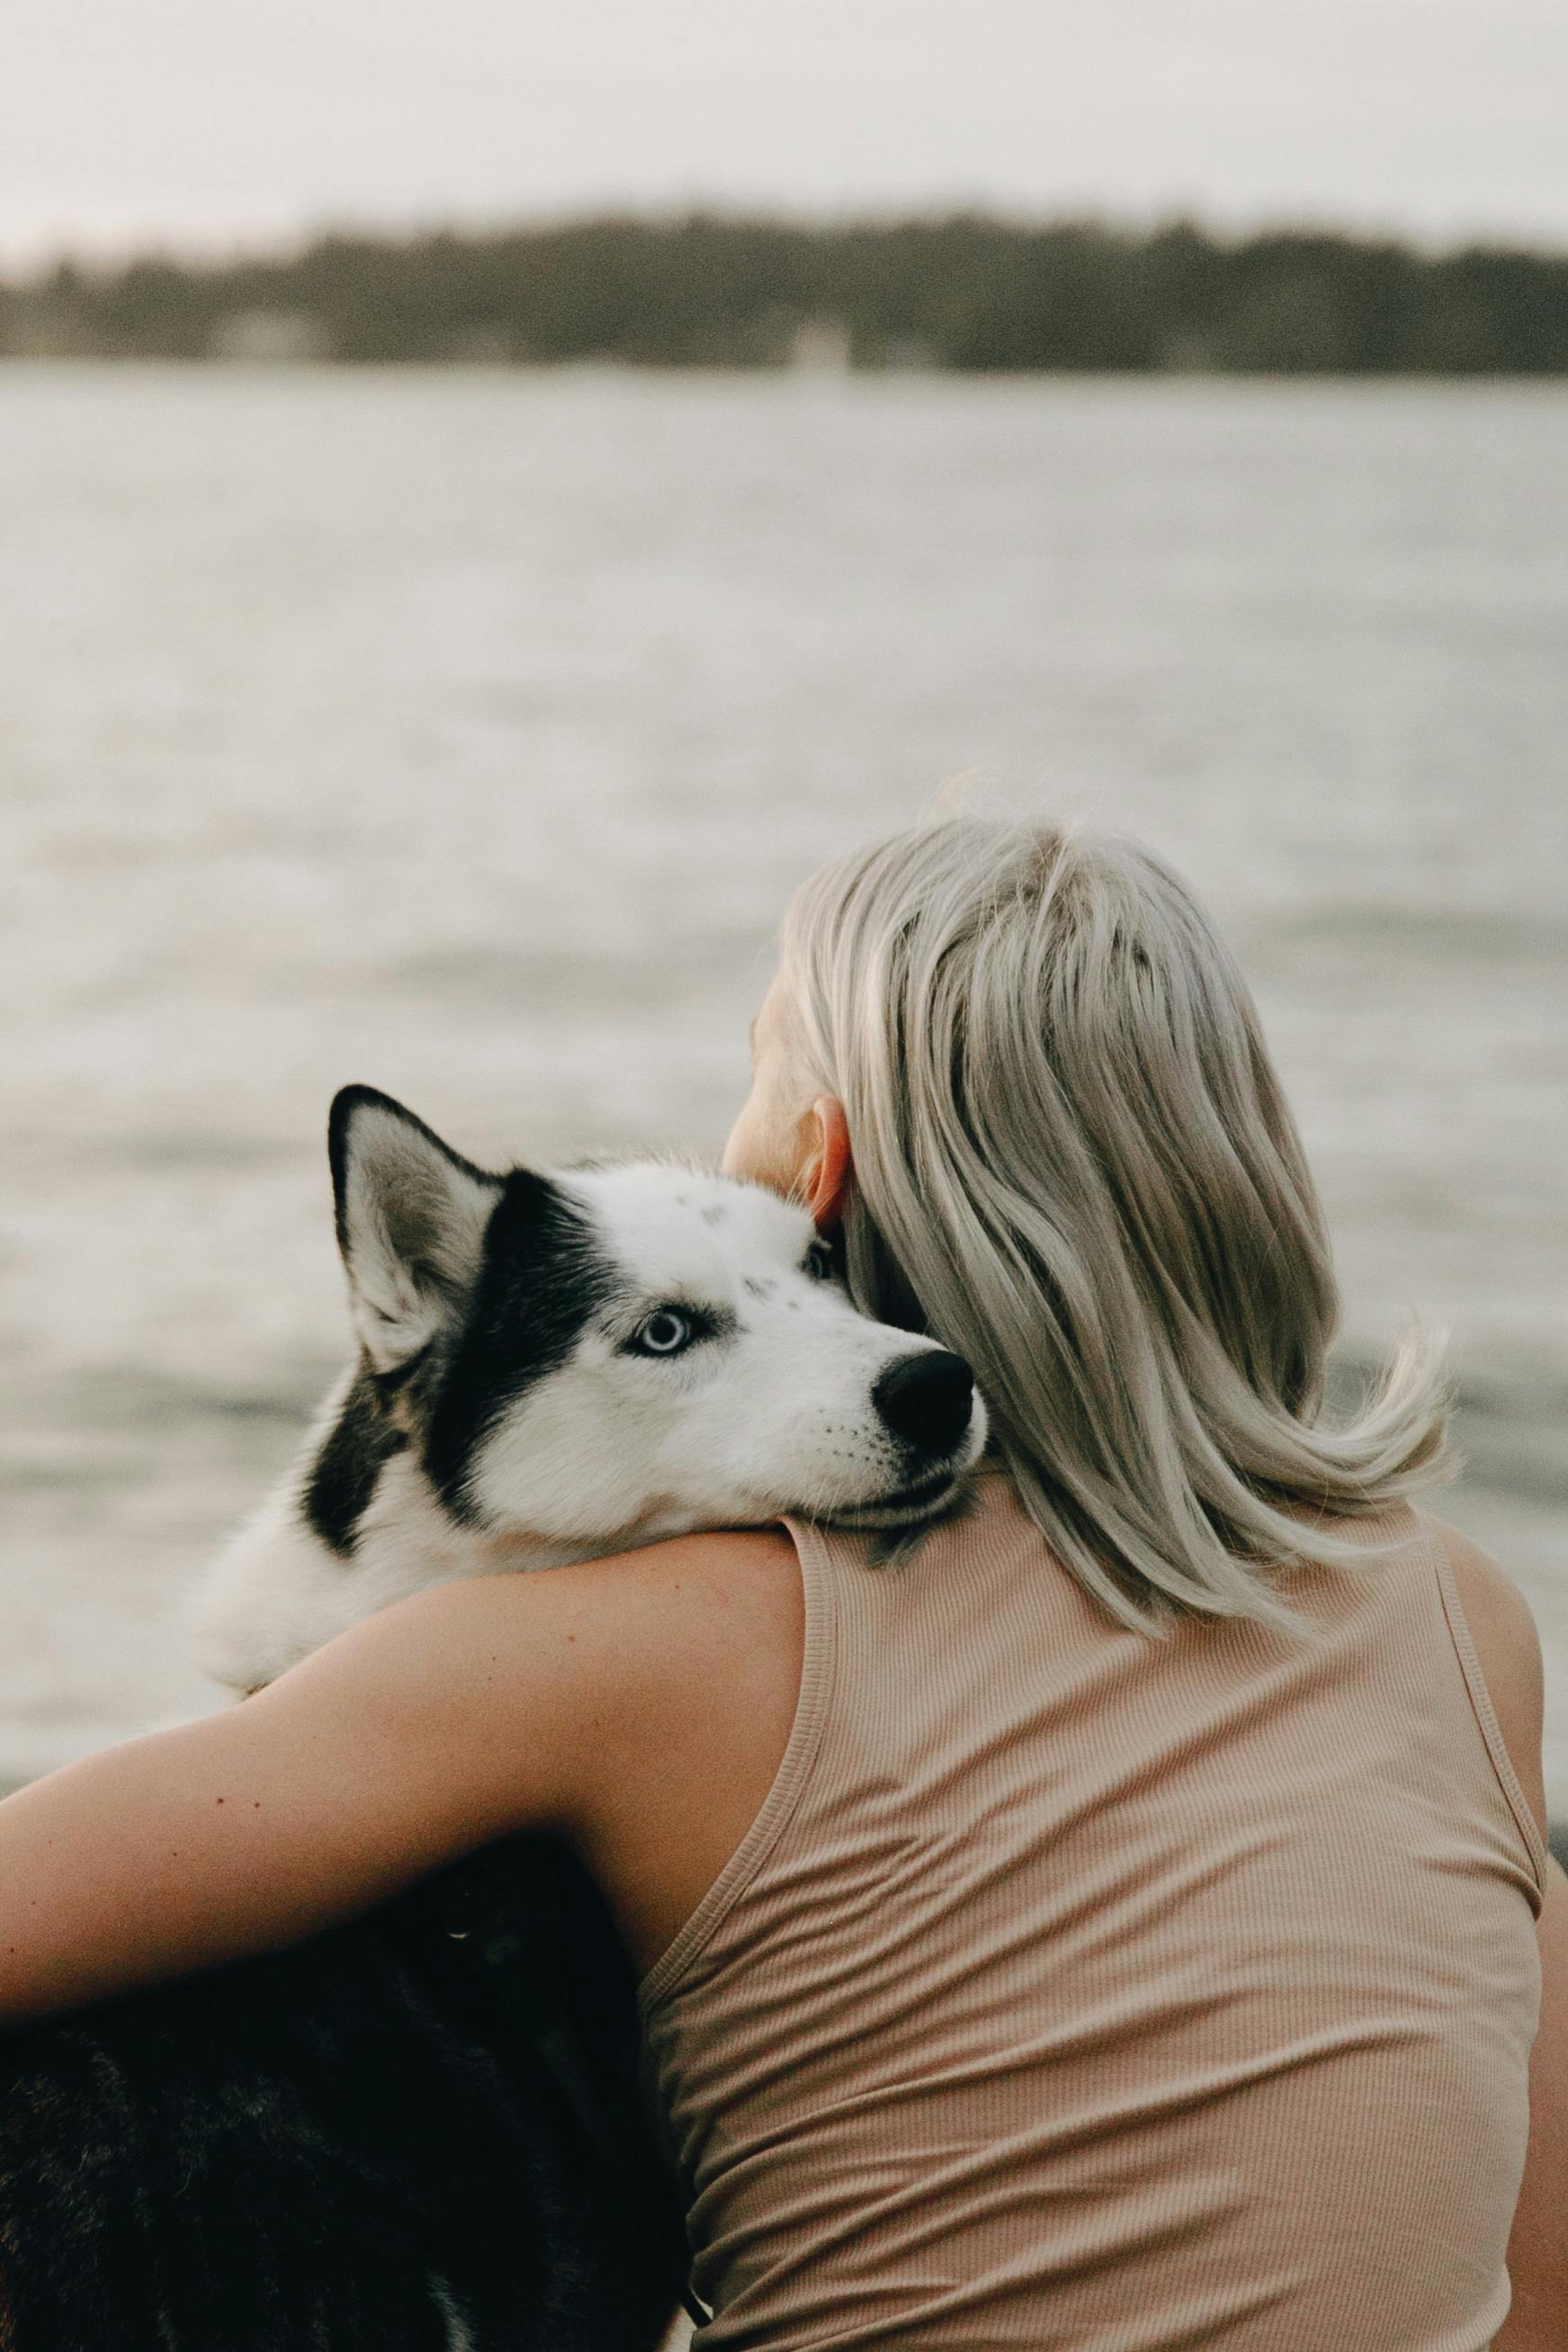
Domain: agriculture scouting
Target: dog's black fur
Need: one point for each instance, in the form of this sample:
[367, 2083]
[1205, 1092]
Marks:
[354, 2147]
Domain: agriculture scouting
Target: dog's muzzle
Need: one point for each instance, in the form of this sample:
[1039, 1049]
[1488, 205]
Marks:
[927, 1404]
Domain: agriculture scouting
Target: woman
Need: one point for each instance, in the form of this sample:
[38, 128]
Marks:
[1117, 1925]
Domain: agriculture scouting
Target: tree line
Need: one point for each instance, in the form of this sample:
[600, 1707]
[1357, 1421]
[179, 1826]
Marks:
[965, 292]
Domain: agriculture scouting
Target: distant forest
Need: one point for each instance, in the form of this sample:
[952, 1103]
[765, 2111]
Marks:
[966, 293]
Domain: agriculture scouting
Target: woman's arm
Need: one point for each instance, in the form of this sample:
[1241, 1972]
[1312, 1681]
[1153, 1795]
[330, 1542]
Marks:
[412, 1737]
[1509, 1651]
[1538, 2249]
[637, 1705]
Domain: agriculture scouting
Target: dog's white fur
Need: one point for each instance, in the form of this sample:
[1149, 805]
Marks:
[610, 1449]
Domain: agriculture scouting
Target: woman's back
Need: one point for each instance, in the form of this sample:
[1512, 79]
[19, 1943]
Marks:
[1075, 1987]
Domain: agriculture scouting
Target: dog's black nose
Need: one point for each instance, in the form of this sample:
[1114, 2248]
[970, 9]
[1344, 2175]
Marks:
[926, 1400]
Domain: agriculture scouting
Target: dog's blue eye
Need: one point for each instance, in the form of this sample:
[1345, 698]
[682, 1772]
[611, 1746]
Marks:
[663, 1333]
[818, 1262]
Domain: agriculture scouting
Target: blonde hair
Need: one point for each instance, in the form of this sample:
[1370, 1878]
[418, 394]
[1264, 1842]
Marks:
[1074, 1166]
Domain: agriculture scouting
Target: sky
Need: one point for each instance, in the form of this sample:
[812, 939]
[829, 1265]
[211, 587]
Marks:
[199, 126]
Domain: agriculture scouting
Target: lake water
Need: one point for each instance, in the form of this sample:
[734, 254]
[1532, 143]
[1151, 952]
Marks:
[464, 733]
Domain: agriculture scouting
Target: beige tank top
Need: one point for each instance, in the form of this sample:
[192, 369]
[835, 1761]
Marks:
[1077, 1990]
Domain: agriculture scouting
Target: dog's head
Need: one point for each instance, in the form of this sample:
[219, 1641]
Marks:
[630, 1350]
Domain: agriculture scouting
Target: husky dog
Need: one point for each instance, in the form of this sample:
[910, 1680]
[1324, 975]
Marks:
[351, 2145]
[556, 1366]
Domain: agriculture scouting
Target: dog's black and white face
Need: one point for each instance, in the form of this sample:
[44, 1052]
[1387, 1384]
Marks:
[620, 1352]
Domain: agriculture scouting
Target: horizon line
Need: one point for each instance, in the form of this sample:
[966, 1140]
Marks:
[226, 249]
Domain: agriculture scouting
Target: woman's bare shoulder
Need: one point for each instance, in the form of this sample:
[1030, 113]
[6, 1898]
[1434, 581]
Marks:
[688, 1595]
[706, 1629]
[686, 1676]
[687, 1651]
[682, 1582]
[1508, 1648]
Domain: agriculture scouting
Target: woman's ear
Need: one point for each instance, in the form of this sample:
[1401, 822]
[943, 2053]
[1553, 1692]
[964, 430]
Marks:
[829, 1171]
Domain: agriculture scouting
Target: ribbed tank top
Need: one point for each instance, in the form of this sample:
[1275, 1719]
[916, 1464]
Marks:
[1078, 1989]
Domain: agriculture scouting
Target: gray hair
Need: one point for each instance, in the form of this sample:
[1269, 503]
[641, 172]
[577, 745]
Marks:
[1074, 1165]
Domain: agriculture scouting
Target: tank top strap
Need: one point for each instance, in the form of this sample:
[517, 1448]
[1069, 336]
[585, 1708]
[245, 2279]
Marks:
[824, 1557]
[1485, 1713]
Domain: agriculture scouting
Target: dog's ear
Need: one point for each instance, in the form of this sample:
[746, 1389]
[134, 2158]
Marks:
[412, 1216]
